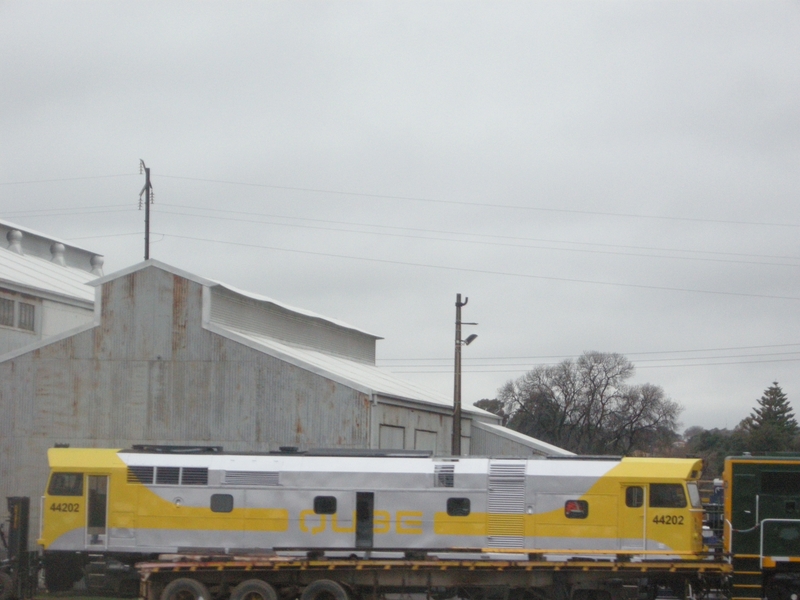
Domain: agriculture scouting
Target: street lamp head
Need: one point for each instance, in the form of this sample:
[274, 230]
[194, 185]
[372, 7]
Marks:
[470, 339]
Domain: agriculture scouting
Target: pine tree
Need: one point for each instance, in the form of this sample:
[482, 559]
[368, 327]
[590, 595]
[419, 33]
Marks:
[771, 426]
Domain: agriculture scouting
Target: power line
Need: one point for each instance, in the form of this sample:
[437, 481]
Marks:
[475, 234]
[486, 204]
[485, 243]
[474, 363]
[65, 179]
[712, 364]
[488, 272]
[723, 349]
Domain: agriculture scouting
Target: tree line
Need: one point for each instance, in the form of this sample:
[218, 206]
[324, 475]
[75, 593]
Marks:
[587, 406]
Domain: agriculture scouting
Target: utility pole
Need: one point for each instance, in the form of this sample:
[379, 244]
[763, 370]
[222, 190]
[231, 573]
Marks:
[147, 190]
[456, 444]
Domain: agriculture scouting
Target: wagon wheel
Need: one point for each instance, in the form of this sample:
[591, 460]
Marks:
[325, 589]
[254, 589]
[185, 589]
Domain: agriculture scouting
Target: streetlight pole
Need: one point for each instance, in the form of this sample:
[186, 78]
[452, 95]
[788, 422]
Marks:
[456, 444]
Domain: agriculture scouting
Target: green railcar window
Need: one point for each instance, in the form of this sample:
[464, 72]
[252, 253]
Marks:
[780, 483]
[66, 484]
[667, 495]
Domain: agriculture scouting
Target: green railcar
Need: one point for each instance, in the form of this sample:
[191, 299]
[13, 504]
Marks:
[762, 526]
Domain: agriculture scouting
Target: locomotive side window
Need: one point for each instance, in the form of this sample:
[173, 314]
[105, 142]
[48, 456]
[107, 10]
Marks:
[325, 505]
[576, 509]
[66, 484]
[458, 507]
[221, 503]
[634, 496]
[667, 495]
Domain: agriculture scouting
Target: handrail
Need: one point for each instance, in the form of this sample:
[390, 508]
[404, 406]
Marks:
[761, 541]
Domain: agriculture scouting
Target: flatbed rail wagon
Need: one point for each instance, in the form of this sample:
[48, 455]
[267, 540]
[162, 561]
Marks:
[197, 577]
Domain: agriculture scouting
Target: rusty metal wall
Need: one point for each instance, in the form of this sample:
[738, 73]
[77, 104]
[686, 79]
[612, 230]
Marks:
[150, 373]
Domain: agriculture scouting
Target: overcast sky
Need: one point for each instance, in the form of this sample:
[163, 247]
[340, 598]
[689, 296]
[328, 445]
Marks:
[612, 176]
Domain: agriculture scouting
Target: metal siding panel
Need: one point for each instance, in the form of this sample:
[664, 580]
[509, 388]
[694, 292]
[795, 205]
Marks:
[280, 323]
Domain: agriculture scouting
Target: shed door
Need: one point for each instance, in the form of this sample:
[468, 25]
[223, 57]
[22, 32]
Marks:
[97, 511]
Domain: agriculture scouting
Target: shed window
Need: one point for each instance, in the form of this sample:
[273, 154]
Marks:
[576, 509]
[66, 484]
[458, 507]
[6, 312]
[667, 495]
[634, 496]
[221, 503]
[27, 314]
[325, 505]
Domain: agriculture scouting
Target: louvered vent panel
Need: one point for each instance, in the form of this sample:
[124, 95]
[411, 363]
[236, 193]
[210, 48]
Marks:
[168, 475]
[263, 478]
[194, 476]
[140, 474]
[443, 475]
[506, 522]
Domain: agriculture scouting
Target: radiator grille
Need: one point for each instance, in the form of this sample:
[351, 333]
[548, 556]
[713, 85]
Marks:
[506, 522]
[260, 478]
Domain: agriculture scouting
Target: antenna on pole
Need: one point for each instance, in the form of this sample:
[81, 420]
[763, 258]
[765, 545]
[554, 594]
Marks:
[147, 191]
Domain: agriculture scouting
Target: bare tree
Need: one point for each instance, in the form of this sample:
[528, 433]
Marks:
[586, 406]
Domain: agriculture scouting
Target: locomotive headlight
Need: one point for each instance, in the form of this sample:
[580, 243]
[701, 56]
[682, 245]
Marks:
[178, 502]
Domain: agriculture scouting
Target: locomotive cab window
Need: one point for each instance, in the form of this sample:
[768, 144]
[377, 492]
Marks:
[667, 495]
[458, 507]
[325, 505]
[221, 503]
[576, 509]
[66, 484]
[694, 495]
[634, 496]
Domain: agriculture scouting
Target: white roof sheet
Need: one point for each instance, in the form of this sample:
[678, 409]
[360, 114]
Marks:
[366, 377]
[44, 276]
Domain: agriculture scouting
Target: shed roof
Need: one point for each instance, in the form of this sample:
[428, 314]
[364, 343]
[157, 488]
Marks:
[37, 275]
[364, 377]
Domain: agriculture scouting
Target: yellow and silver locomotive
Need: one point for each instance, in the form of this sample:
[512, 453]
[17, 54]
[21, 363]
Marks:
[149, 500]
